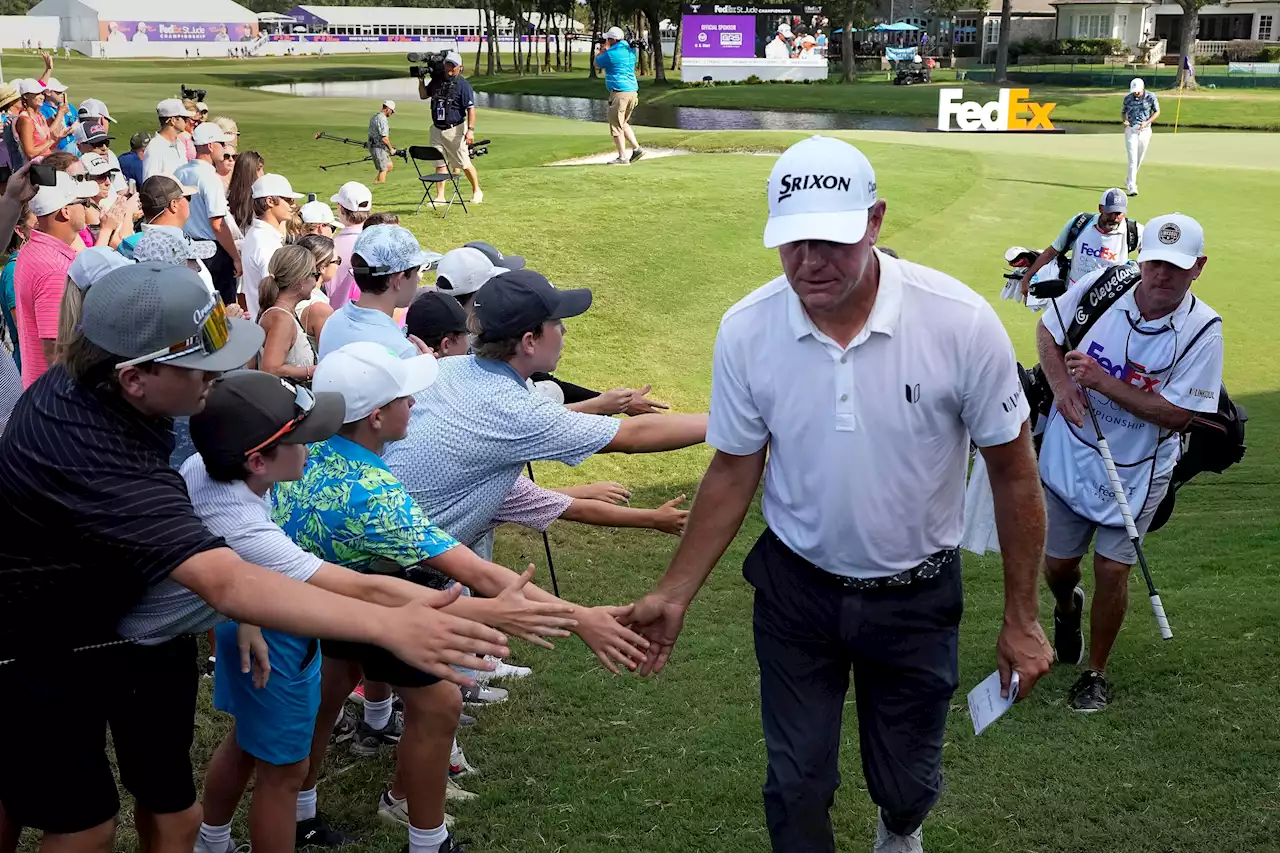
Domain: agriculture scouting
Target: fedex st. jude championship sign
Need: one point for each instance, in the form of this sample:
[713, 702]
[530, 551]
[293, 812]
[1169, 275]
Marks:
[1014, 111]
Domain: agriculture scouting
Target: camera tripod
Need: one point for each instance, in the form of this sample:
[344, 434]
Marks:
[402, 153]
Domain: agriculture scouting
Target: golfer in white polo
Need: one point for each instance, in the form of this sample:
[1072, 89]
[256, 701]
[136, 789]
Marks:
[1139, 111]
[858, 381]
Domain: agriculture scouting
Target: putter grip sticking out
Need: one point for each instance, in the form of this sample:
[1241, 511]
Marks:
[1166, 633]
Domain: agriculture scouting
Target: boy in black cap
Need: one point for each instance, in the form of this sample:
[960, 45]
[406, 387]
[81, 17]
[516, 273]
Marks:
[84, 466]
[439, 321]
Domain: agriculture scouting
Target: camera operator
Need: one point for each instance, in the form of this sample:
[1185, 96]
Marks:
[379, 143]
[617, 59]
[453, 122]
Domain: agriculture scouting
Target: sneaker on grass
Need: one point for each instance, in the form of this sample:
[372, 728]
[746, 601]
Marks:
[619, 161]
[316, 832]
[1090, 693]
[345, 728]
[890, 842]
[458, 764]
[1068, 639]
[503, 670]
[454, 791]
[449, 845]
[397, 811]
[481, 694]
[465, 719]
[636, 155]
[367, 740]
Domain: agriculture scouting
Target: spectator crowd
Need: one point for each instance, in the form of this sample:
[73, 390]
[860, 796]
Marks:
[281, 423]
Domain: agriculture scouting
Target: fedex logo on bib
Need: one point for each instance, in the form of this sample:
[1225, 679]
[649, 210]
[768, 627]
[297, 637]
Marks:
[1129, 372]
[1102, 253]
[1013, 111]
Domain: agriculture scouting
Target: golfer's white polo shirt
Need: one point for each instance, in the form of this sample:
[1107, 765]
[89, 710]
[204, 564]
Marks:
[868, 444]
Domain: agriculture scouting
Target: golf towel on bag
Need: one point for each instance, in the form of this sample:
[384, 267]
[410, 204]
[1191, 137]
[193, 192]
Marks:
[979, 512]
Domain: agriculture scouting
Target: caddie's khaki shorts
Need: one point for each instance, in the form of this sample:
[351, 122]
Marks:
[621, 106]
[453, 143]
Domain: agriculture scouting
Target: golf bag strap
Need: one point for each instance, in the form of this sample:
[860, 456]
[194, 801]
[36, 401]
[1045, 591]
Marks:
[1197, 336]
[1069, 249]
[1110, 286]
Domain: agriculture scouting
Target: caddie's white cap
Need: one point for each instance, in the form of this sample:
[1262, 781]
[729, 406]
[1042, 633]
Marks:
[820, 189]
[1136, 85]
[171, 108]
[1175, 238]
[274, 185]
[390, 105]
[208, 132]
[354, 196]
[64, 191]
[317, 213]
[453, 58]
[369, 376]
[94, 263]
[465, 270]
[53, 84]
[615, 34]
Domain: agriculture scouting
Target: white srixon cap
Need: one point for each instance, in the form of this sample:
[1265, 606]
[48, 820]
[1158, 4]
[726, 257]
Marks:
[820, 189]
[1174, 238]
[354, 196]
[369, 376]
[274, 185]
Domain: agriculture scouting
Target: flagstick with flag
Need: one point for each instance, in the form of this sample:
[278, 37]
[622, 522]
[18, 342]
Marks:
[1187, 70]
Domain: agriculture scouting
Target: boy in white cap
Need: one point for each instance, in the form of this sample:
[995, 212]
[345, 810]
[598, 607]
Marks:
[463, 271]
[1139, 111]
[1150, 360]
[453, 123]
[317, 218]
[837, 376]
[274, 202]
[379, 142]
[1090, 242]
[210, 214]
[355, 203]
[165, 154]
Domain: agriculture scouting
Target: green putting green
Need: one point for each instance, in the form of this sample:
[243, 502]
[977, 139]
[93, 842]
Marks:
[583, 761]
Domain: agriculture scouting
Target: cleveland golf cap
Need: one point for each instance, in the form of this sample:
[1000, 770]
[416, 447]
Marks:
[511, 262]
[1175, 238]
[65, 191]
[521, 300]
[354, 196]
[165, 314]
[389, 249]
[434, 315]
[93, 264]
[465, 270]
[820, 189]
[248, 411]
[369, 376]
[1114, 200]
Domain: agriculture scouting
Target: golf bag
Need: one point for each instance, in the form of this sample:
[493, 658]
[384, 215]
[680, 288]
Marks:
[1212, 442]
[1077, 228]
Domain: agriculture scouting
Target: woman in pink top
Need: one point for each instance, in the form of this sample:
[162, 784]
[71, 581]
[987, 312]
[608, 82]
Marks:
[34, 135]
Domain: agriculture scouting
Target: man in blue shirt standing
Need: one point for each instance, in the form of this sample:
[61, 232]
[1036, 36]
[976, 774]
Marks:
[617, 59]
[453, 123]
[1139, 111]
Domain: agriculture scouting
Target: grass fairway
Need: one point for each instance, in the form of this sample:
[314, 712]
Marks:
[583, 762]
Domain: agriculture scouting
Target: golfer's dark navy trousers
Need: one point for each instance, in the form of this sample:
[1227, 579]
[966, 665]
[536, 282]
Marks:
[900, 643]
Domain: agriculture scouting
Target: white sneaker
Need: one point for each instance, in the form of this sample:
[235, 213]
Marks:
[503, 670]
[454, 791]
[888, 842]
[397, 811]
[477, 197]
[483, 695]
[458, 764]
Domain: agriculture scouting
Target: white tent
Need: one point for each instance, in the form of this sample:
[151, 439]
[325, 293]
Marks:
[117, 21]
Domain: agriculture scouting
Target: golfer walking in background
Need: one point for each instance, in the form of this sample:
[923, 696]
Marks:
[858, 380]
[1139, 112]
[379, 142]
[617, 59]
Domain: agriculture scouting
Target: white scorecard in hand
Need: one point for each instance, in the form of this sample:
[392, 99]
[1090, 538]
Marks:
[985, 703]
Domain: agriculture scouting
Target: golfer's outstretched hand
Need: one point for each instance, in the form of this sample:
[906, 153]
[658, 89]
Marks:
[435, 642]
[1022, 647]
[659, 621]
[605, 631]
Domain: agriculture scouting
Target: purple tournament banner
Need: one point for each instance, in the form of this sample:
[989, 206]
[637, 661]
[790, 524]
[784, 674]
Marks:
[146, 31]
[719, 36]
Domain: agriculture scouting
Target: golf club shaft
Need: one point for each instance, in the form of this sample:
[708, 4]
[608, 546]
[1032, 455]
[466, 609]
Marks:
[1122, 500]
[546, 543]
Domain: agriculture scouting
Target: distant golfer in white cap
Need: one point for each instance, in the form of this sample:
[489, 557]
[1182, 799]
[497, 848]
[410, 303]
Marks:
[859, 381]
[379, 142]
[1139, 111]
[453, 124]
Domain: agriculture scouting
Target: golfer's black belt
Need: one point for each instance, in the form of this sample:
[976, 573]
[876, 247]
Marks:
[928, 570]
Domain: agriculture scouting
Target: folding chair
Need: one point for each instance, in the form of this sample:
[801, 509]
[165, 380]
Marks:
[431, 154]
